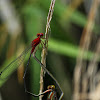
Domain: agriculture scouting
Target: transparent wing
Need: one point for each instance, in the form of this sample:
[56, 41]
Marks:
[11, 67]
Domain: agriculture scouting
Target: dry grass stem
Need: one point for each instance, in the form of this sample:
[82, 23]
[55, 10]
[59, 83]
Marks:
[44, 51]
[79, 75]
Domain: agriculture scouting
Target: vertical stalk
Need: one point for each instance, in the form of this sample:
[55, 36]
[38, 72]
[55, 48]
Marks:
[84, 46]
[44, 51]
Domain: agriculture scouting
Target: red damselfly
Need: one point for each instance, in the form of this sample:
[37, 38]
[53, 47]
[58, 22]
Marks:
[15, 63]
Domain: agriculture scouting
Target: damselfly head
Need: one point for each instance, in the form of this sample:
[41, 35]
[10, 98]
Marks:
[51, 87]
[40, 34]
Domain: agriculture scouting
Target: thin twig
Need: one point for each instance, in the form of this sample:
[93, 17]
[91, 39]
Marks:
[44, 51]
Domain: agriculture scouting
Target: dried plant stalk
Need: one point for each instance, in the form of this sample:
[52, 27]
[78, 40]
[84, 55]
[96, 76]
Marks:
[84, 44]
[44, 51]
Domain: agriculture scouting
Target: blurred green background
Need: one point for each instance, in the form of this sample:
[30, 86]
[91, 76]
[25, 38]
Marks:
[26, 18]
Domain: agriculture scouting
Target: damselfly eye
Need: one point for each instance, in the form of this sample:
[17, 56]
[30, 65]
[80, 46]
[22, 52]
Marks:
[38, 34]
[41, 34]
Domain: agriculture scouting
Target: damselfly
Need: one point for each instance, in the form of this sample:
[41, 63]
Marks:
[15, 63]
